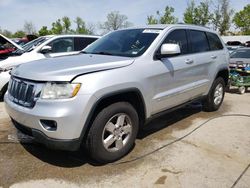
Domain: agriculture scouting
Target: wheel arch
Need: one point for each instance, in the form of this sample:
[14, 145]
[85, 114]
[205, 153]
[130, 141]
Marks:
[224, 73]
[131, 95]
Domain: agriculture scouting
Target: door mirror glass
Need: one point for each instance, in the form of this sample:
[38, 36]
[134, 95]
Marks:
[46, 49]
[170, 49]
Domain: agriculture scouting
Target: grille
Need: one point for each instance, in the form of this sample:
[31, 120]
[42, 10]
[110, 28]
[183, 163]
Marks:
[21, 92]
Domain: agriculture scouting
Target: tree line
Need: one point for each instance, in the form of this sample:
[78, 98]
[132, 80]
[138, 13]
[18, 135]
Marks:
[216, 14]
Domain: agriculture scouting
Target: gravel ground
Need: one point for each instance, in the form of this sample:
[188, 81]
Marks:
[213, 156]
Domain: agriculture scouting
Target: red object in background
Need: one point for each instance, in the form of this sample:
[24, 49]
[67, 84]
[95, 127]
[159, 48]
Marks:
[6, 51]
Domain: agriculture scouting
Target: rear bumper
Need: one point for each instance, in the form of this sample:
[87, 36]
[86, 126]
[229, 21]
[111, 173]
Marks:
[40, 137]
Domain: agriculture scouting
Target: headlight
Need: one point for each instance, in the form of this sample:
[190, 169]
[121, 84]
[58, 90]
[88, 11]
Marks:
[59, 90]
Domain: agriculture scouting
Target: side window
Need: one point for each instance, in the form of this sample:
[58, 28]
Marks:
[62, 45]
[199, 41]
[214, 41]
[81, 43]
[178, 37]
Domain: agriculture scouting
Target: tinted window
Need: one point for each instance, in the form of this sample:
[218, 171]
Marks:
[81, 43]
[199, 41]
[62, 45]
[178, 37]
[214, 42]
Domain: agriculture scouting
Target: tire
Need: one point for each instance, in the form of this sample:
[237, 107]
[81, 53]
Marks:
[210, 103]
[242, 89]
[106, 142]
[2, 92]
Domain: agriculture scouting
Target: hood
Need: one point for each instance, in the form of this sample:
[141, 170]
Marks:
[3, 38]
[67, 67]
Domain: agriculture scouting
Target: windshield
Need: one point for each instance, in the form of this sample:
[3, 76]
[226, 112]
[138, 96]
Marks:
[242, 53]
[32, 44]
[128, 43]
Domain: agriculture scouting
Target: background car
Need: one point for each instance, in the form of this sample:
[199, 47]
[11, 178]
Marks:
[7, 46]
[24, 40]
[40, 48]
[240, 58]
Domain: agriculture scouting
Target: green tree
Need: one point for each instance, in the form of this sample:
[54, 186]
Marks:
[115, 21]
[222, 16]
[189, 14]
[198, 15]
[151, 20]
[81, 26]
[57, 27]
[242, 20]
[44, 31]
[19, 34]
[66, 24]
[166, 18]
[6, 33]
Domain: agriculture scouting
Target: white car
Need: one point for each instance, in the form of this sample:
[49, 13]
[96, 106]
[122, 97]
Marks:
[40, 48]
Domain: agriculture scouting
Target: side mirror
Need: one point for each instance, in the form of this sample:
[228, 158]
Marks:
[168, 50]
[45, 49]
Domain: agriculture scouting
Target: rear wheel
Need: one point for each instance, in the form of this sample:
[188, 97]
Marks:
[242, 89]
[113, 132]
[215, 96]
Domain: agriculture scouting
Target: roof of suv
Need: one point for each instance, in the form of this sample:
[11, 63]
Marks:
[72, 35]
[164, 26]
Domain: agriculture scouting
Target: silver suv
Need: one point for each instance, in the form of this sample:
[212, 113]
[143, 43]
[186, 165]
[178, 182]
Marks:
[102, 96]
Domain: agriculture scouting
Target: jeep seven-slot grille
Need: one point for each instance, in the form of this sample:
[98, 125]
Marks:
[22, 92]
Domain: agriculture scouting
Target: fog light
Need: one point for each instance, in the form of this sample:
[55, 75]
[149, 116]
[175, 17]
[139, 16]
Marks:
[49, 125]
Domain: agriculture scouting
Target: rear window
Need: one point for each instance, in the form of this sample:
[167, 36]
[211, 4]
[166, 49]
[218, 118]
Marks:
[81, 43]
[214, 42]
[241, 53]
[199, 41]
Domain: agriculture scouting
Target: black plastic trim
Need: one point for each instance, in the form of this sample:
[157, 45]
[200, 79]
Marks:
[40, 137]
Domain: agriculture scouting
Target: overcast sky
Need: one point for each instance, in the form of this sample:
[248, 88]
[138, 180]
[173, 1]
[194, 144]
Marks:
[14, 13]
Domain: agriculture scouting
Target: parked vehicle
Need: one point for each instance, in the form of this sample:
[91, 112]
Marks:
[7, 46]
[101, 97]
[40, 48]
[240, 78]
[240, 58]
[247, 43]
[24, 40]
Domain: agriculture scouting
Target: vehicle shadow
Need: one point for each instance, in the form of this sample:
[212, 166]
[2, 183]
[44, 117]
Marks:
[169, 119]
[80, 158]
[58, 158]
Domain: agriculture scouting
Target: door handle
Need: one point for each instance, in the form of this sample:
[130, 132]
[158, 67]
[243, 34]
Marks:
[213, 56]
[189, 61]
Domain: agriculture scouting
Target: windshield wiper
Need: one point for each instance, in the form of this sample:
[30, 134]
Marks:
[99, 53]
[103, 53]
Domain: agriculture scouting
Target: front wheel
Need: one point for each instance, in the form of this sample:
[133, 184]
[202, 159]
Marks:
[113, 132]
[215, 96]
